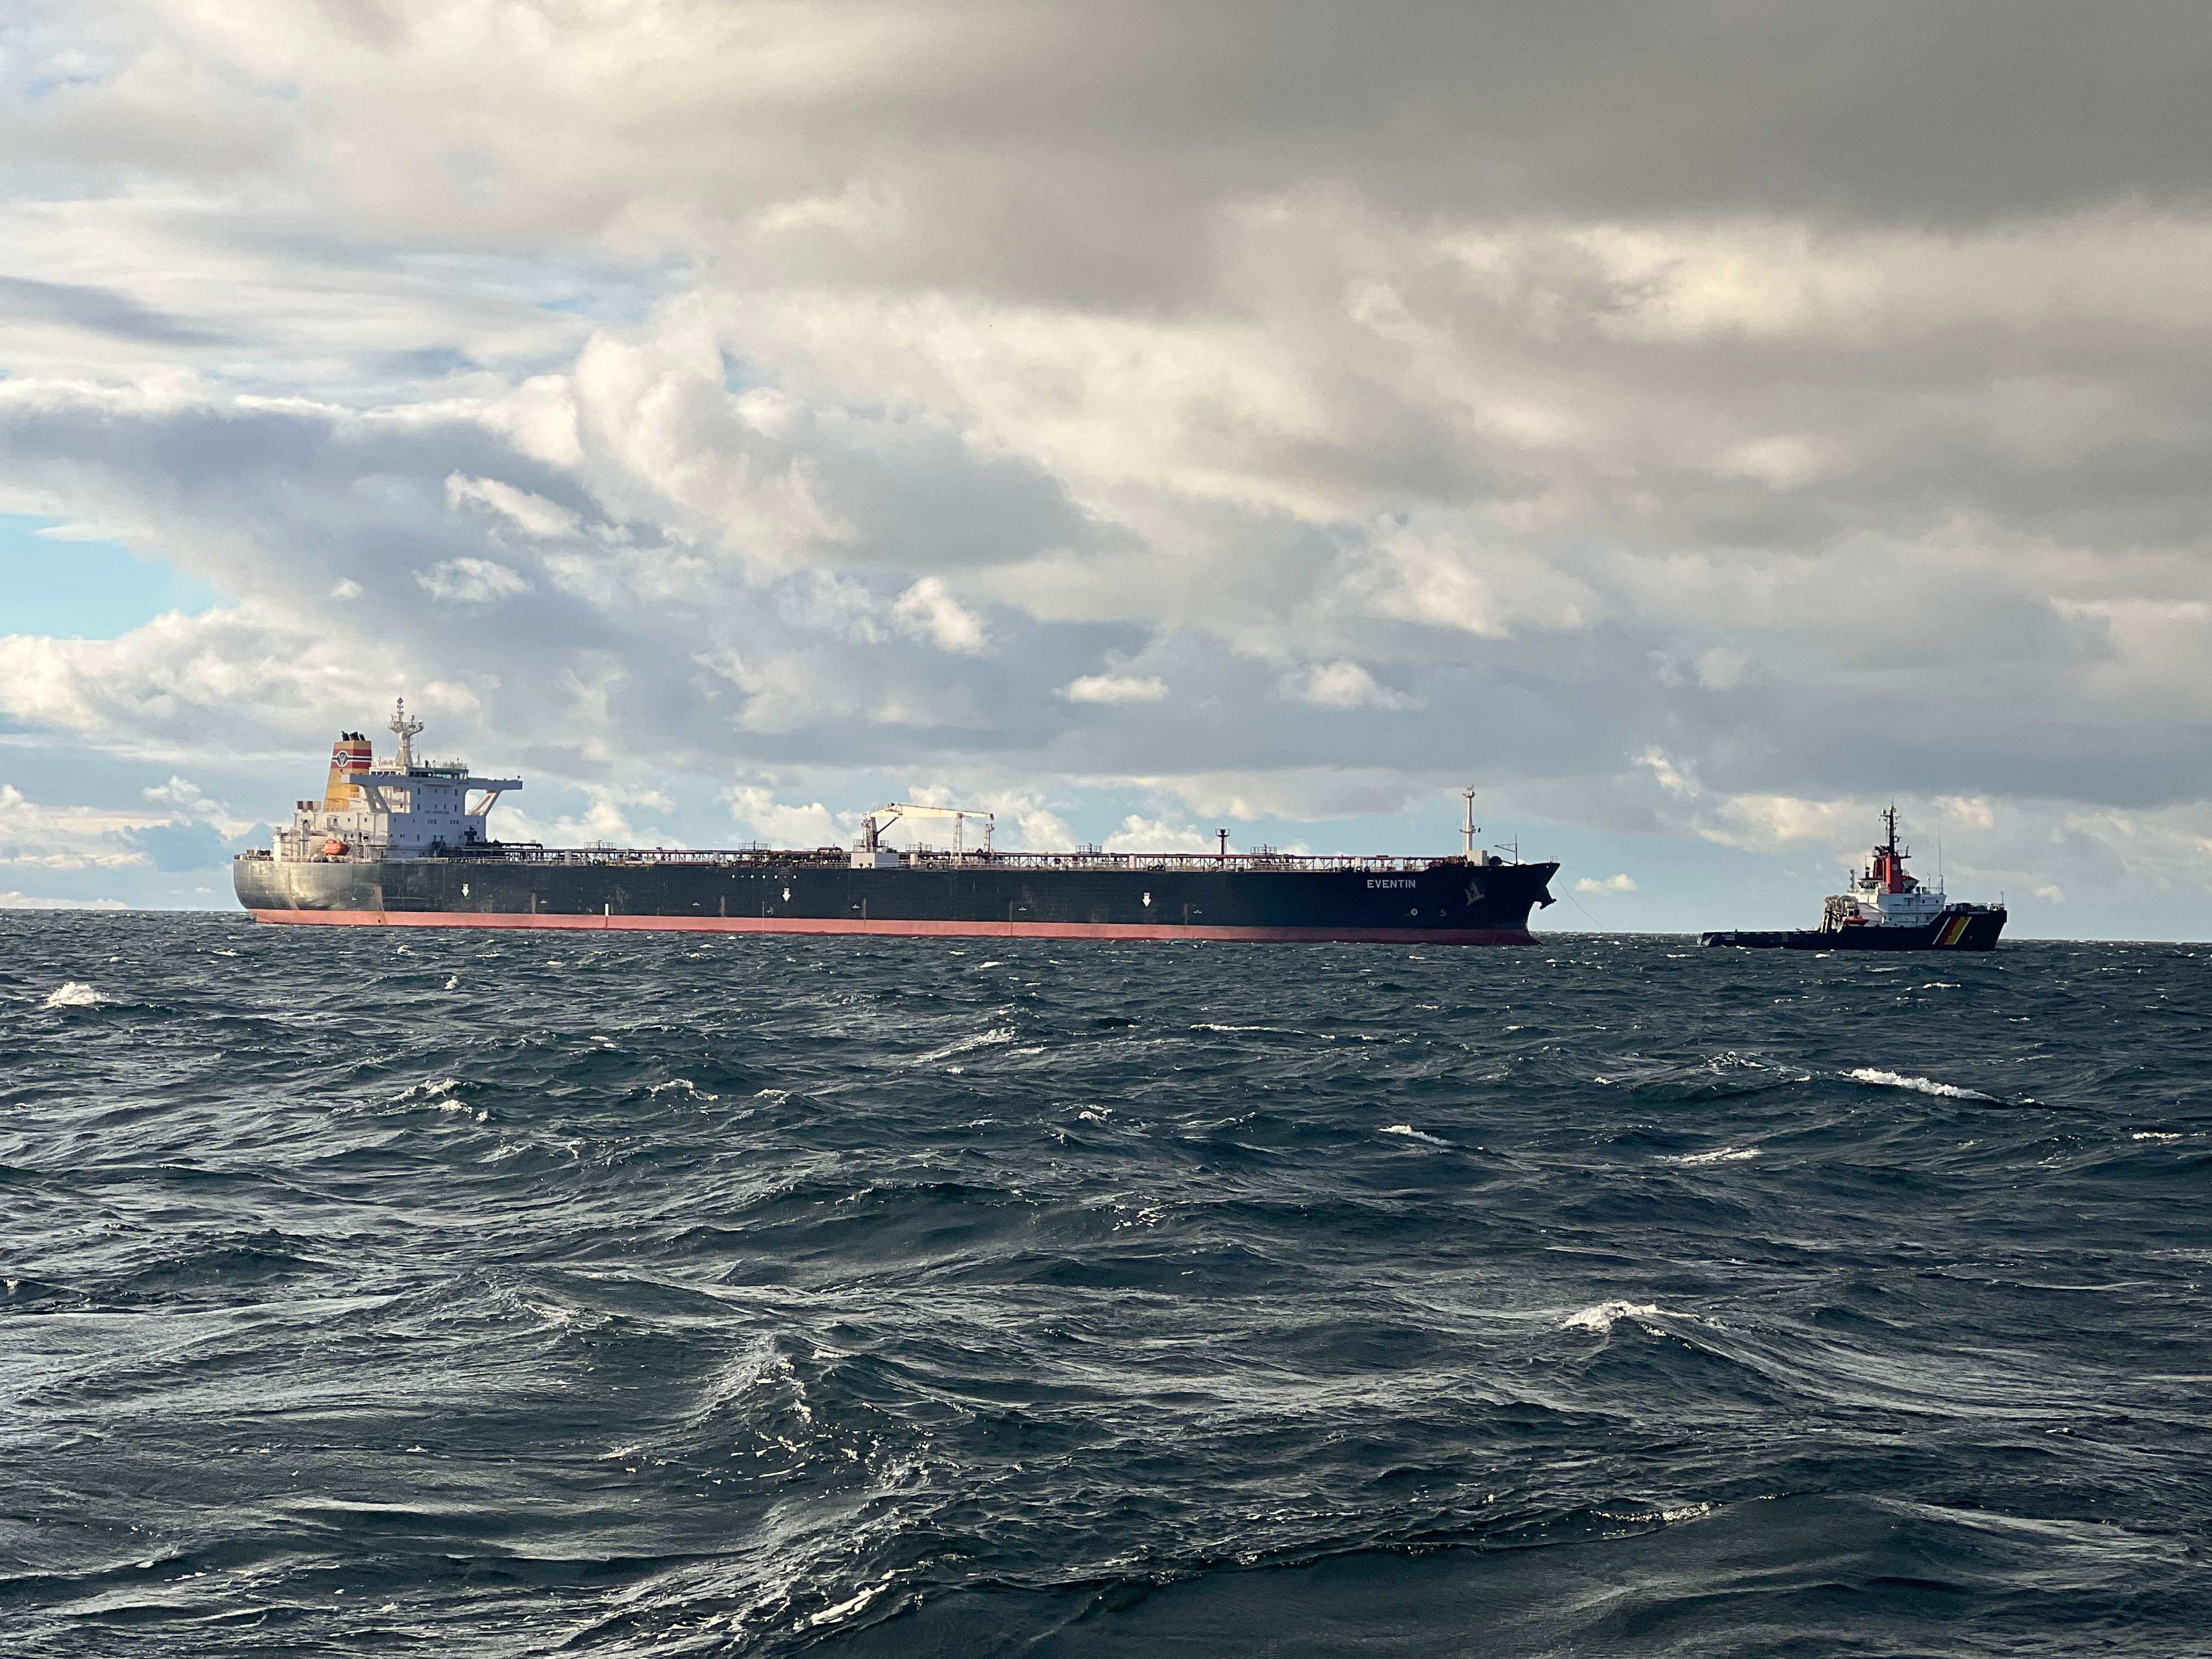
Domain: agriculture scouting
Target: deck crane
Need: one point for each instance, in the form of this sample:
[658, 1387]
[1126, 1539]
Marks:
[873, 825]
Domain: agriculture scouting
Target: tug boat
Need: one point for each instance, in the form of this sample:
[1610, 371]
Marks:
[1886, 910]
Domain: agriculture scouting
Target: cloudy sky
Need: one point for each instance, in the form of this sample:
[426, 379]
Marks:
[1690, 423]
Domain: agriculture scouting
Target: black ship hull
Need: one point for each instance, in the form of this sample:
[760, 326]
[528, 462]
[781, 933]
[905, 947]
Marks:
[1958, 928]
[1442, 902]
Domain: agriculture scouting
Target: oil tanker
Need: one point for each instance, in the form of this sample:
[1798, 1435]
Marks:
[405, 843]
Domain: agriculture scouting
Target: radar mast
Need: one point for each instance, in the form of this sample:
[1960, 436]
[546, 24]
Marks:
[406, 731]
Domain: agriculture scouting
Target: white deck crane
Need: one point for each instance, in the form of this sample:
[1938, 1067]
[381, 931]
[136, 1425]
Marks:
[872, 854]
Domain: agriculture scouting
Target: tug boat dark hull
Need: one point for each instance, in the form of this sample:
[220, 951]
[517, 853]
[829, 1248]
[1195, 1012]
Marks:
[1433, 902]
[1958, 928]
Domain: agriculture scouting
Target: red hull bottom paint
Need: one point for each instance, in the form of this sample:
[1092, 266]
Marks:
[1108, 930]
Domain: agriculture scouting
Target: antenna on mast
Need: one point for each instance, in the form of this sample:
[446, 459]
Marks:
[406, 730]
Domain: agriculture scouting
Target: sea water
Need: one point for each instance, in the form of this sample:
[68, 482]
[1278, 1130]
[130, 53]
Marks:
[391, 1292]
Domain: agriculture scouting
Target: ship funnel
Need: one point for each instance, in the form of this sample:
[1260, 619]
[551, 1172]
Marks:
[349, 757]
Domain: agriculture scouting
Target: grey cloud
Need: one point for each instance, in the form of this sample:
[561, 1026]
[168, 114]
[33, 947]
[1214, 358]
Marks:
[279, 506]
[1083, 148]
[100, 310]
[317, 494]
[1080, 155]
[596, 665]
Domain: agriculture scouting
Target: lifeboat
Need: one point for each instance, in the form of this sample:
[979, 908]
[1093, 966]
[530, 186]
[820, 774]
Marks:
[334, 849]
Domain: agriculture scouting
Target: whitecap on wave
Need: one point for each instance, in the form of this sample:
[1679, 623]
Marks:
[440, 1094]
[990, 1039]
[683, 1085]
[72, 994]
[1412, 1133]
[866, 1594]
[1919, 1086]
[1606, 1315]
[1669, 1513]
[1719, 1155]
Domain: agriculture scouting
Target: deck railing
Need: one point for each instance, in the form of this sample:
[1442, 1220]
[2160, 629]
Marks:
[838, 856]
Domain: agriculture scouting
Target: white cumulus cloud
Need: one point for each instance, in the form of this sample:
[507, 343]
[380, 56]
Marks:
[21, 900]
[757, 811]
[928, 612]
[533, 515]
[1342, 685]
[471, 581]
[1620, 884]
[1115, 688]
[1139, 833]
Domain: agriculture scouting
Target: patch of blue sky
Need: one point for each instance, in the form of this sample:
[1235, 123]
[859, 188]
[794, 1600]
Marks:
[618, 303]
[76, 589]
[431, 361]
[739, 376]
[607, 292]
[45, 86]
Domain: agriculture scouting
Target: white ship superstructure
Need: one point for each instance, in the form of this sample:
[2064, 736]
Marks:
[406, 808]
[1885, 895]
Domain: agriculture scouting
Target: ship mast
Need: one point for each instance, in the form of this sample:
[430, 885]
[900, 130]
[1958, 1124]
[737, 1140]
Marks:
[1888, 872]
[406, 730]
[1468, 832]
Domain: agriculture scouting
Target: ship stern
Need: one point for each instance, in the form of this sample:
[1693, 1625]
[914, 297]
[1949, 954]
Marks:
[269, 888]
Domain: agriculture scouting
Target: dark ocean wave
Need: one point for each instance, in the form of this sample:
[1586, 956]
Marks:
[368, 1293]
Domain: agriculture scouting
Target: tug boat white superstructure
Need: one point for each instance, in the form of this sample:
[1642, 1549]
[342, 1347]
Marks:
[1886, 910]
